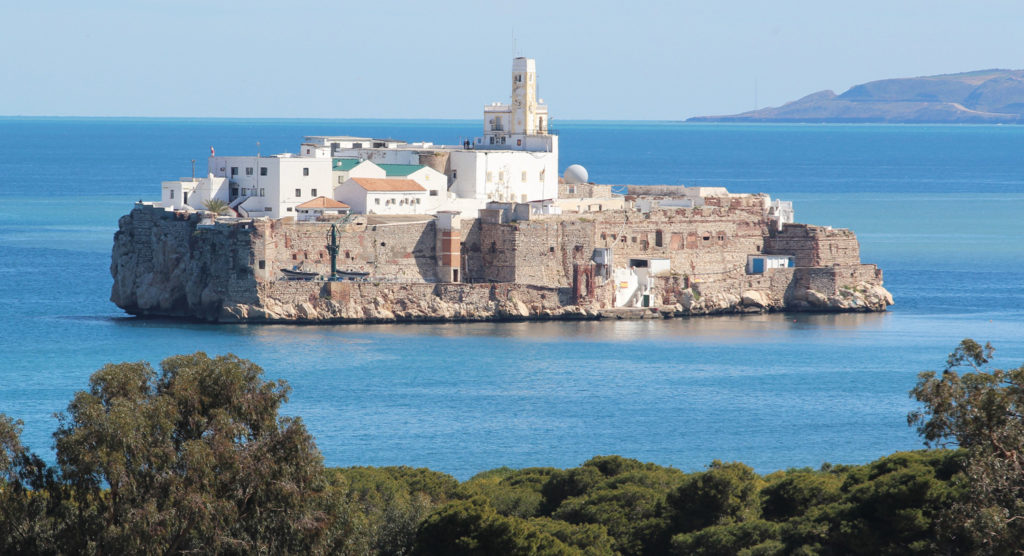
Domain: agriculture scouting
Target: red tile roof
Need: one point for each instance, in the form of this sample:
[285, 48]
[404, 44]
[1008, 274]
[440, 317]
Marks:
[322, 202]
[388, 184]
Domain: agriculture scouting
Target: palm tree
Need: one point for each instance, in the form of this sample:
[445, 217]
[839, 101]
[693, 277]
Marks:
[216, 206]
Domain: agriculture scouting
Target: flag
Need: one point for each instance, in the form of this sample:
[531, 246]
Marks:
[211, 152]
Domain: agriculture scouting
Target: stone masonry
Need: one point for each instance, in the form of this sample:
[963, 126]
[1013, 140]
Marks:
[195, 265]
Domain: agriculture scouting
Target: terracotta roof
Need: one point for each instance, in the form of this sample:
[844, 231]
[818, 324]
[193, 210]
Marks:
[322, 202]
[388, 184]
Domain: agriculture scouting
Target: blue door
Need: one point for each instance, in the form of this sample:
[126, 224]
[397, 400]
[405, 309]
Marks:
[758, 266]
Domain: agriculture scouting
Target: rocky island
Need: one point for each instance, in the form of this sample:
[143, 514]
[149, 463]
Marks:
[358, 229]
[980, 97]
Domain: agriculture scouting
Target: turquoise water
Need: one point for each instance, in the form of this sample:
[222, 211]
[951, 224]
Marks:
[937, 207]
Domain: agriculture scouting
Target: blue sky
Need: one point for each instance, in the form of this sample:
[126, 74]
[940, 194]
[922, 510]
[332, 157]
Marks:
[413, 59]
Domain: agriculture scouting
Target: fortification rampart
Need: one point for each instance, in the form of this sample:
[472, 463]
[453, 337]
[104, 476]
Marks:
[197, 266]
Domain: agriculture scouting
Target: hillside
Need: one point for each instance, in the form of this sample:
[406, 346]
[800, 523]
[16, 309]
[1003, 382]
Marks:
[978, 97]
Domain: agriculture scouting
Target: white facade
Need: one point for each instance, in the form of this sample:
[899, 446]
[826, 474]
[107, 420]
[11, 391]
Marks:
[343, 168]
[516, 160]
[193, 192]
[507, 176]
[272, 186]
[383, 196]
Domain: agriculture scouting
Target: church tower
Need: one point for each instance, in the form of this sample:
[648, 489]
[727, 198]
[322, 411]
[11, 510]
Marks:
[518, 123]
[529, 116]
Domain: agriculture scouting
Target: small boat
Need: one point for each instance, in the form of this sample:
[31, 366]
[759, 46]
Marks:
[291, 274]
[350, 275]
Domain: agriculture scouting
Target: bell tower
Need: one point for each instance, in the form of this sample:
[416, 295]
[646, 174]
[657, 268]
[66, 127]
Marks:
[529, 116]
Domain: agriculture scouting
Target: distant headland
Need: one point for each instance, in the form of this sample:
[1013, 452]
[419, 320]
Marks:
[993, 96]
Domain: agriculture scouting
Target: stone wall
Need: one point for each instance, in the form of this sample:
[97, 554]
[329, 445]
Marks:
[814, 245]
[403, 251]
[584, 191]
[192, 265]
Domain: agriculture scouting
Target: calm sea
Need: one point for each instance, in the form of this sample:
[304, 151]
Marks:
[937, 207]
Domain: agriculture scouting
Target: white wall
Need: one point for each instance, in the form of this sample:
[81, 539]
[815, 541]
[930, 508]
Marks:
[381, 202]
[198, 191]
[272, 192]
[506, 172]
[365, 169]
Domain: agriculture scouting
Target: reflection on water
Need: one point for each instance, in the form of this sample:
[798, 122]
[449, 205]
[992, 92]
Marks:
[719, 328]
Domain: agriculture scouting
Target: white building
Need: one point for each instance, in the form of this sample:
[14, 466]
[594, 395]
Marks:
[344, 168]
[272, 186]
[516, 160]
[193, 192]
[311, 211]
[382, 196]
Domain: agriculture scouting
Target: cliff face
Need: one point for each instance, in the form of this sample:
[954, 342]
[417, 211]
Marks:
[988, 96]
[173, 264]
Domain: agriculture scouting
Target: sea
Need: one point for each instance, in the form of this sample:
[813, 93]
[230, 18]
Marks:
[939, 208]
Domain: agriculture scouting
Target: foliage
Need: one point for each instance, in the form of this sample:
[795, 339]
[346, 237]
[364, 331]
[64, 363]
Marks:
[195, 458]
[981, 411]
[377, 510]
[217, 206]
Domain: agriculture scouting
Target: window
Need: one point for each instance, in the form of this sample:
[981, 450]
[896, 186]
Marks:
[248, 170]
[492, 139]
[263, 265]
[234, 170]
[268, 209]
[433, 193]
[658, 237]
[524, 176]
[244, 192]
[263, 171]
[339, 180]
[313, 192]
[376, 201]
[262, 193]
[305, 171]
[455, 174]
[172, 193]
[502, 139]
[289, 209]
[298, 193]
[357, 145]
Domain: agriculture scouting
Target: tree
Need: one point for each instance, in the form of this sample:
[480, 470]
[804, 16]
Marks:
[981, 412]
[193, 459]
[216, 206]
[26, 508]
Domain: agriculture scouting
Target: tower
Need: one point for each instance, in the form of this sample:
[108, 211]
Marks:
[529, 116]
[524, 116]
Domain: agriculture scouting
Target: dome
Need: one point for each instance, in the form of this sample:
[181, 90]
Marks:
[576, 174]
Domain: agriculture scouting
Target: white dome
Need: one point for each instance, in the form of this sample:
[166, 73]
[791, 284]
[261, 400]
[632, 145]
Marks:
[576, 174]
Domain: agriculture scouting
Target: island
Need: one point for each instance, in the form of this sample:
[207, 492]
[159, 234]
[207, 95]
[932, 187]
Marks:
[359, 229]
[993, 96]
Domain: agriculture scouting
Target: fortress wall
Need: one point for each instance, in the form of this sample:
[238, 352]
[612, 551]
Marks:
[705, 241]
[546, 250]
[403, 251]
[584, 191]
[814, 245]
